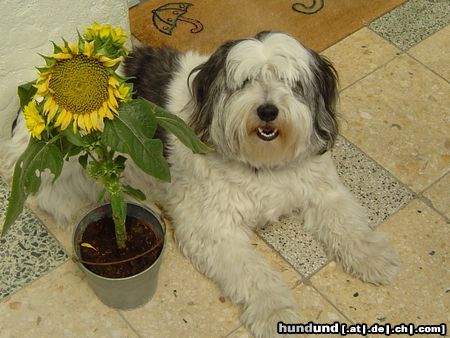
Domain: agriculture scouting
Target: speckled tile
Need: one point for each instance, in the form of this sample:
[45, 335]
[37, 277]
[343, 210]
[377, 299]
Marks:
[60, 304]
[289, 238]
[375, 188]
[439, 195]
[400, 116]
[434, 52]
[313, 308]
[277, 262]
[407, 25]
[358, 55]
[27, 251]
[419, 294]
[186, 304]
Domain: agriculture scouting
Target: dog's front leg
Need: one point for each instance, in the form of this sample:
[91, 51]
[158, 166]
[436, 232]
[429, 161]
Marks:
[222, 250]
[333, 214]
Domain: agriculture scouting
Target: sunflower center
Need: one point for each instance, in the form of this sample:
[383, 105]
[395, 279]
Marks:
[80, 84]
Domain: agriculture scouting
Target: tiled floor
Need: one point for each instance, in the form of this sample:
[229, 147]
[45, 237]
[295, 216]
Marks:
[394, 154]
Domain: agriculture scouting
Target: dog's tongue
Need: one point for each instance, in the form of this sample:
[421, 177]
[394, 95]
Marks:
[267, 133]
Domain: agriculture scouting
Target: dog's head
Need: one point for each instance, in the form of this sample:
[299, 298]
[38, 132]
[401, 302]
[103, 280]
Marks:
[265, 101]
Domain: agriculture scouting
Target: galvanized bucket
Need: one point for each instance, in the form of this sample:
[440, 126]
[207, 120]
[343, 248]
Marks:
[129, 292]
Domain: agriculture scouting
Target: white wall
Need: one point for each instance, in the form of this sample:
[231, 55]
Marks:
[26, 26]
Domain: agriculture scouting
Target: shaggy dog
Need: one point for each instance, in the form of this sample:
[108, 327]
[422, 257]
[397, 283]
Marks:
[267, 106]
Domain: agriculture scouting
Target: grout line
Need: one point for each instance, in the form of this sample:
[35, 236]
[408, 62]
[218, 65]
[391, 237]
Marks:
[371, 72]
[427, 67]
[232, 331]
[310, 284]
[429, 203]
[28, 285]
[128, 323]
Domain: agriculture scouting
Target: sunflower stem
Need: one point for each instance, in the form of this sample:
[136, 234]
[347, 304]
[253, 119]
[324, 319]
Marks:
[119, 212]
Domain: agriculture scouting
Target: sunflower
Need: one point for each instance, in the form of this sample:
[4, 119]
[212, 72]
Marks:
[33, 120]
[79, 85]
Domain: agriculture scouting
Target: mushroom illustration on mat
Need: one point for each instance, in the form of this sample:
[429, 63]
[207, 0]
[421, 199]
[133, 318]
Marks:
[166, 17]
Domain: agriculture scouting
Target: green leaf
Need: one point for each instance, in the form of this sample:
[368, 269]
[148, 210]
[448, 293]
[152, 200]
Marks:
[136, 193]
[75, 138]
[35, 159]
[131, 132]
[26, 93]
[180, 129]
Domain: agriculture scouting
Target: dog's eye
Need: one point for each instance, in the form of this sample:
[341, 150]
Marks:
[245, 82]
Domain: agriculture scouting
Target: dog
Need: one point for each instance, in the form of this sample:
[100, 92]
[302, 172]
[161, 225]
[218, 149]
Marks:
[266, 104]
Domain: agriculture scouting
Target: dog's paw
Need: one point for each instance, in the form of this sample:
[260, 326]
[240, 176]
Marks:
[266, 326]
[374, 261]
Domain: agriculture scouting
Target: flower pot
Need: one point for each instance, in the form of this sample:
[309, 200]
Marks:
[129, 292]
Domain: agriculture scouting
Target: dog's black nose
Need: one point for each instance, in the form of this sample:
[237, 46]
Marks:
[267, 112]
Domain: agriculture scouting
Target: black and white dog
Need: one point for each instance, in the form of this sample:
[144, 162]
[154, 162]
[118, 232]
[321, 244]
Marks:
[267, 106]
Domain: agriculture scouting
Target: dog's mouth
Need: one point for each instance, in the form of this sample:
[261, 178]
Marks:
[267, 133]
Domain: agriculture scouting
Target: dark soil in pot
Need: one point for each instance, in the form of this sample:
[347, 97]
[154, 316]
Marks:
[135, 258]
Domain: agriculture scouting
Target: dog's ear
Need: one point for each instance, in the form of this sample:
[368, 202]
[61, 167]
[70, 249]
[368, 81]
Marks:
[324, 98]
[208, 83]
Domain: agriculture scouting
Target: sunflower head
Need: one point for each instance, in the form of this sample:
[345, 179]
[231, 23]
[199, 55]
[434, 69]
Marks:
[79, 87]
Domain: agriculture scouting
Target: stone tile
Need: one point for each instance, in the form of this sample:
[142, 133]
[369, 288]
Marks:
[295, 244]
[419, 294]
[277, 262]
[60, 304]
[186, 304]
[359, 55]
[407, 25]
[439, 195]
[27, 251]
[375, 188]
[399, 116]
[313, 308]
[434, 52]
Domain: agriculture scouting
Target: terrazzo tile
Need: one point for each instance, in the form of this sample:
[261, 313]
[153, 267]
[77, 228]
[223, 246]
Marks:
[419, 294]
[359, 55]
[186, 304]
[376, 190]
[400, 115]
[277, 262]
[60, 304]
[434, 52]
[439, 195]
[27, 251]
[313, 308]
[407, 25]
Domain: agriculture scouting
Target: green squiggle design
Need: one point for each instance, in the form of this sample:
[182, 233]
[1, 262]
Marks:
[316, 6]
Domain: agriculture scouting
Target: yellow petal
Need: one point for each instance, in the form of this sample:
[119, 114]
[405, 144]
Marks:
[75, 123]
[94, 120]
[112, 81]
[87, 122]
[88, 48]
[61, 56]
[107, 62]
[112, 99]
[66, 121]
[81, 122]
[61, 117]
[52, 112]
[42, 87]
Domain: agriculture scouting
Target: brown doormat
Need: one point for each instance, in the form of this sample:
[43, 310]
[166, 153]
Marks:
[203, 25]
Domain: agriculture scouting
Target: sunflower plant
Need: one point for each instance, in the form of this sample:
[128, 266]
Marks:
[80, 106]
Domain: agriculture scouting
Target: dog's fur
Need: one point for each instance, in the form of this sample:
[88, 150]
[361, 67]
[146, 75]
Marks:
[268, 162]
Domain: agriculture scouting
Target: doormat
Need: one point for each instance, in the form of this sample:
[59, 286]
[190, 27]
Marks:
[203, 25]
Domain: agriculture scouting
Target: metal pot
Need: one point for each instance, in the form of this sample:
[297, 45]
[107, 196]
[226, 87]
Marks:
[129, 292]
